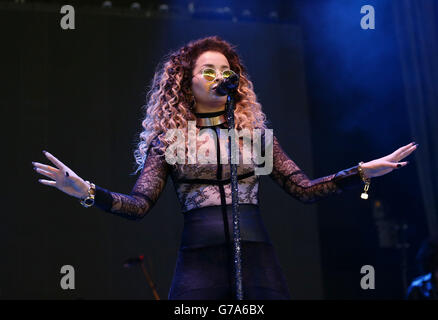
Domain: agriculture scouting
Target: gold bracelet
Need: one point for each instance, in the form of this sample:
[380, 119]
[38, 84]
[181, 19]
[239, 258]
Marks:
[89, 200]
[367, 181]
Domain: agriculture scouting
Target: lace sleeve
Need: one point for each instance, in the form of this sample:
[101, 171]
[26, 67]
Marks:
[145, 192]
[295, 182]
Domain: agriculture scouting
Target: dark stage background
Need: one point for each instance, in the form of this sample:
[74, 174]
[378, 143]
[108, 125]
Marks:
[333, 99]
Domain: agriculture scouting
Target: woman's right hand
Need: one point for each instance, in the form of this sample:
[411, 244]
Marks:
[63, 177]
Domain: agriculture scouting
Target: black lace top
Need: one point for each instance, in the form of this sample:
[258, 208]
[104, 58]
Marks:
[203, 185]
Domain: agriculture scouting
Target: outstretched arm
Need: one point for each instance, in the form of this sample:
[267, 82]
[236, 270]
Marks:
[144, 194]
[295, 182]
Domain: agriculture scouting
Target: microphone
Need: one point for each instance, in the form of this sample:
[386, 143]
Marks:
[133, 261]
[225, 87]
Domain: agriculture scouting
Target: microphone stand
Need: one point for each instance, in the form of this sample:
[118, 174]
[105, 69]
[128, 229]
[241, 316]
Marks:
[140, 260]
[229, 87]
[149, 281]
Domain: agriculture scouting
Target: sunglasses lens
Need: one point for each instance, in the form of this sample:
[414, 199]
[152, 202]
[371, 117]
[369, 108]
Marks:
[209, 74]
[227, 73]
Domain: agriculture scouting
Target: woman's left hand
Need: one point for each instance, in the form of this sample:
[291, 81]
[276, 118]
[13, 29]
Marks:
[384, 165]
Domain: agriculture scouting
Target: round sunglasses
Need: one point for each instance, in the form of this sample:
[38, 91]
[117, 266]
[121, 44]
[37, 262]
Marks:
[210, 74]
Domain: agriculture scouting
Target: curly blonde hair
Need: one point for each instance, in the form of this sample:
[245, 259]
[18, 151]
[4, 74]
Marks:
[170, 99]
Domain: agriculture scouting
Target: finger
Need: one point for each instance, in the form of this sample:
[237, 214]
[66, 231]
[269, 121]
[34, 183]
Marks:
[404, 148]
[407, 146]
[55, 161]
[45, 167]
[48, 182]
[46, 173]
[411, 149]
[407, 152]
[399, 165]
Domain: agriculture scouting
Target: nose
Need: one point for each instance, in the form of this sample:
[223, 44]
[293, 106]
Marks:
[218, 77]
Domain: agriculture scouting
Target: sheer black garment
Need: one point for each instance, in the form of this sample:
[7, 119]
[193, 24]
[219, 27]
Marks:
[203, 185]
[203, 269]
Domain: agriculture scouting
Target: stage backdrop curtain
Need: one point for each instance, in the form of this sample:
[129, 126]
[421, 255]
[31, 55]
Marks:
[417, 35]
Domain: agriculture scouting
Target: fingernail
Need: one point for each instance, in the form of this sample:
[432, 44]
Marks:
[35, 168]
[413, 142]
[399, 165]
[407, 162]
[417, 145]
[44, 151]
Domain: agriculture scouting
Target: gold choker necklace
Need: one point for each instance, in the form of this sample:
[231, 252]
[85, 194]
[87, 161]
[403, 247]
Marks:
[211, 122]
